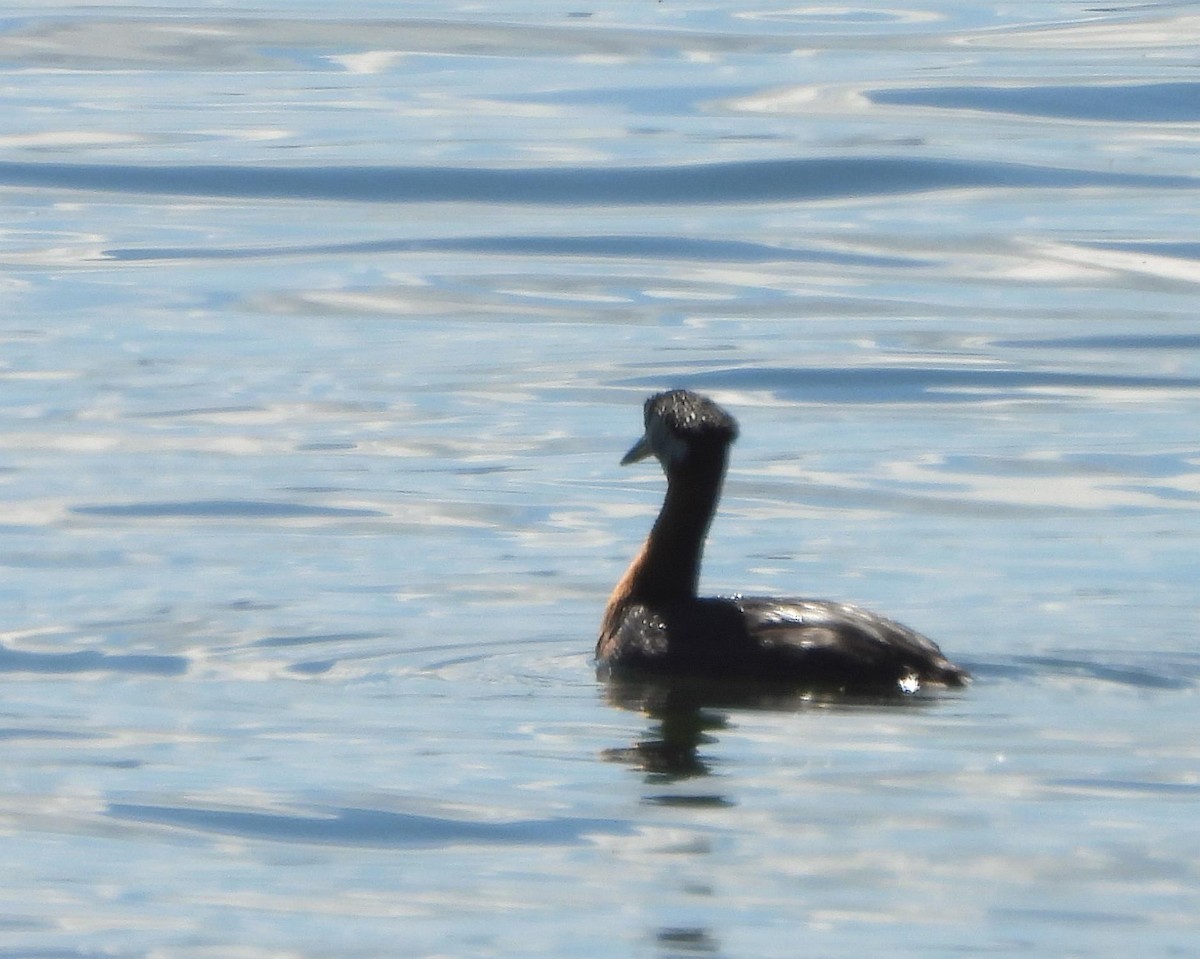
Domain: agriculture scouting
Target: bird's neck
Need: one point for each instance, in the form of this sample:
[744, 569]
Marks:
[667, 568]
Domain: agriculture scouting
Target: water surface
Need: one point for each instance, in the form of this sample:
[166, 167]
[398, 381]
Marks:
[323, 332]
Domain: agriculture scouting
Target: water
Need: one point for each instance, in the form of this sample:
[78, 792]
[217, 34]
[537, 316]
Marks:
[323, 333]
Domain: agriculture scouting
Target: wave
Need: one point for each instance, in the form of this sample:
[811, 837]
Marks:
[749, 181]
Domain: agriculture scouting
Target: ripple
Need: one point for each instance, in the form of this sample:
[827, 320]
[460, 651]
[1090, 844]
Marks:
[751, 181]
[375, 828]
[1169, 672]
[565, 245]
[841, 16]
[910, 384]
[1129, 788]
[277, 642]
[16, 733]
[1139, 677]
[1127, 103]
[330, 45]
[222, 509]
[1125, 341]
[91, 661]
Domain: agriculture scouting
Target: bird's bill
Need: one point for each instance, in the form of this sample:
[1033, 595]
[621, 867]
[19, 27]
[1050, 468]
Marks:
[639, 451]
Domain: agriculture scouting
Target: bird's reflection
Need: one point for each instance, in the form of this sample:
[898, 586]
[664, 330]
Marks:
[669, 752]
[686, 714]
[686, 941]
[686, 711]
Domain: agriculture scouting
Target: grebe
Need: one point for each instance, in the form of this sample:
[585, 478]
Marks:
[655, 624]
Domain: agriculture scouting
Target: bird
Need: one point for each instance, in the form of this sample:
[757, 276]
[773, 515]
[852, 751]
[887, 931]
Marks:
[655, 625]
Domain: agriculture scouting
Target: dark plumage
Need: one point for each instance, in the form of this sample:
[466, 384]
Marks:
[655, 624]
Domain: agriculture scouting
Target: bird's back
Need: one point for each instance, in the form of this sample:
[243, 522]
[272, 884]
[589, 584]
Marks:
[807, 642]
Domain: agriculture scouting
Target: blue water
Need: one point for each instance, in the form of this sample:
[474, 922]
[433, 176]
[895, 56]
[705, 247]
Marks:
[323, 330]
